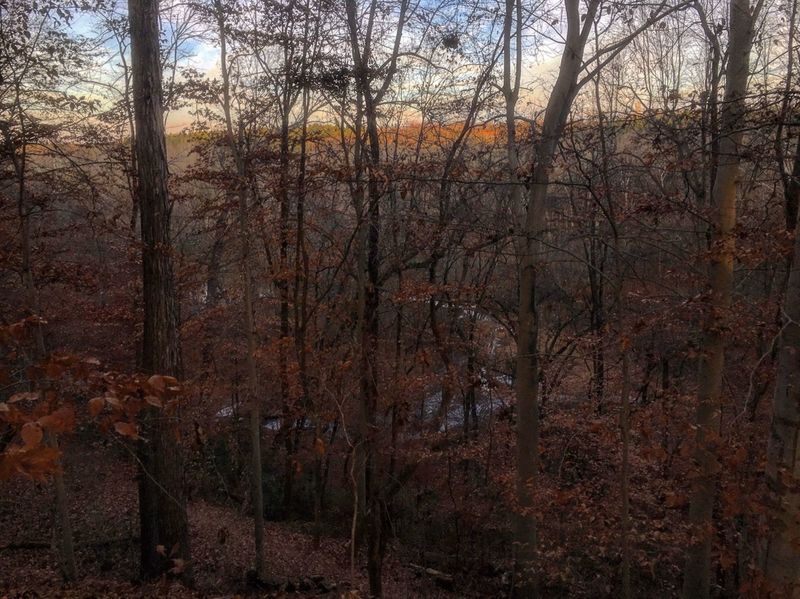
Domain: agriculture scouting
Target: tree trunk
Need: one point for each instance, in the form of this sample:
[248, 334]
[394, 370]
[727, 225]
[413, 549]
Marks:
[781, 559]
[697, 575]
[236, 145]
[368, 277]
[283, 291]
[61, 524]
[63, 527]
[162, 503]
[529, 249]
[213, 291]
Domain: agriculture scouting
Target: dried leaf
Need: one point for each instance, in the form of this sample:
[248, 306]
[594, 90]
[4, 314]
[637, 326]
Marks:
[96, 405]
[24, 396]
[33, 463]
[60, 421]
[319, 446]
[157, 383]
[126, 429]
[153, 401]
[53, 369]
[31, 434]
[113, 400]
[179, 566]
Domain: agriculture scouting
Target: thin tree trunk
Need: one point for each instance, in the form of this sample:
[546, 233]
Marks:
[213, 289]
[283, 291]
[66, 545]
[235, 144]
[697, 574]
[529, 249]
[369, 298]
[61, 524]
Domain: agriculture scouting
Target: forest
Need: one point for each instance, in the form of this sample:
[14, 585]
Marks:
[400, 298]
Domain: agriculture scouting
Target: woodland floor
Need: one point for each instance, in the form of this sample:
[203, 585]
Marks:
[102, 494]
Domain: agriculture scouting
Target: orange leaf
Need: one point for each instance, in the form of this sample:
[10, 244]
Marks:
[157, 382]
[60, 421]
[17, 330]
[153, 401]
[31, 434]
[96, 405]
[126, 429]
[54, 369]
[25, 396]
[319, 446]
[34, 463]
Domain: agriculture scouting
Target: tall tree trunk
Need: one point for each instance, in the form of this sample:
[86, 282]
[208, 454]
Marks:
[236, 146]
[162, 504]
[791, 191]
[283, 291]
[213, 290]
[697, 574]
[781, 558]
[529, 250]
[61, 524]
[301, 276]
[254, 401]
[63, 527]
[369, 298]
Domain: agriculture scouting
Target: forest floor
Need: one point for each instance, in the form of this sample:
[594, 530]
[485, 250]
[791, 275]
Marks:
[103, 511]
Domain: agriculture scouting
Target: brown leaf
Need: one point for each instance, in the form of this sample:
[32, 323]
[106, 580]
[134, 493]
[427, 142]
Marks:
[179, 566]
[126, 429]
[96, 405]
[157, 383]
[17, 330]
[24, 396]
[60, 421]
[319, 446]
[53, 369]
[154, 401]
[31, 434]
[34, 463]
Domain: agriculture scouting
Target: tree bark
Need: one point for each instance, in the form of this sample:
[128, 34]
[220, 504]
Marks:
[697, 574]
[61, 524]
[529, 249]
[369, 292]
[235, 144]
[162, 504]
[781, 558]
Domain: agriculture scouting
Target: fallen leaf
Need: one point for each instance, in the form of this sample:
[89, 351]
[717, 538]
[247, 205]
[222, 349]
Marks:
[126, 429]
[31, 434]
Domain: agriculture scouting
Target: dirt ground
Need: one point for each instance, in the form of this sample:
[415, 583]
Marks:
[103, 511]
